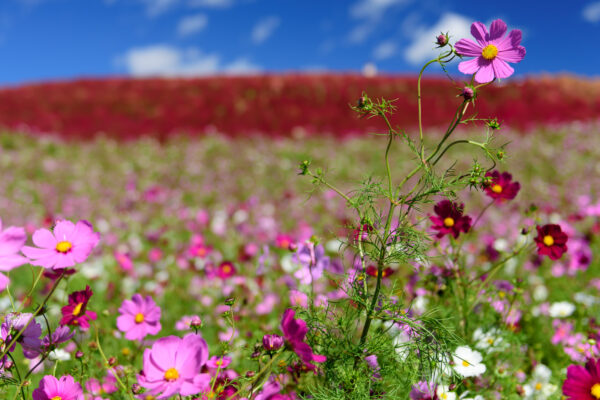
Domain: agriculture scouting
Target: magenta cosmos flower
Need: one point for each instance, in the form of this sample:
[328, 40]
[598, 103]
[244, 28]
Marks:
[551, 241]
[76, 313]
[492, 51]
[583, 383]
[172, 366]
[450, 219]
[12, 239]
[501, 186]
[66, 246]
[139, 317]
[295, 331]
[64, 388]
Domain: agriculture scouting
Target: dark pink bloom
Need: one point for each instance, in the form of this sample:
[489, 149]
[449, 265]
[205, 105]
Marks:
[64, 388]
[66, 246]
[272, 342]
[172, 366]
[492, 51]
[12, 239]
[139, 317]
[226, 270]
[501, 187]
[450, 219]
[551, 241]
[76, 313]
[294, 331]
[583, 383]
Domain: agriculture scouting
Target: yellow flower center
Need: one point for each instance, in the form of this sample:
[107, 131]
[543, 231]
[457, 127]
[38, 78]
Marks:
[149, 397]
[538, 386]
[64, 246]
[490, 341]
[497, 188]
[489, 52]
[56, 398]
[595, 390]
[444, 396]
[139, 318]
[226, 269]
[171, 374]
[77, 309]
[449, 222]
[548, 240]
[466, 363]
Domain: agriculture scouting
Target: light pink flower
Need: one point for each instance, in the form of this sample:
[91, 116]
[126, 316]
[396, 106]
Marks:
[139, 317]
[66, 246]
[12, 239]
[492, 51]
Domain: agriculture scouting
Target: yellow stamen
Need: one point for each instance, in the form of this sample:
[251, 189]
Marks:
[77, 309]
[125, 351]
[490, 341]
[139, 318]
[548, 240]
[444, 396]
[63, 247]
[171, 374]
[56, 398]
[538, 386]
[449, 222]
[149, 397]
[497, 188]
[595, 390]
[489, 52]
[466, 364]
[226, 269]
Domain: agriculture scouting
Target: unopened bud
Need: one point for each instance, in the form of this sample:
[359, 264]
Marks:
[136, 388]
[112, 361]
[79, 355]
[468, 93]
[196, 322]
[442, 40]
[272, 342]
[250, 374]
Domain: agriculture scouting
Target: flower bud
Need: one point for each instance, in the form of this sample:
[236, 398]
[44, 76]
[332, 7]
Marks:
[196, 322]
[272, 342]
[79, 355]
[230, 301]
[136, 388]
[442, 40]
[112, 361]
[468, 93]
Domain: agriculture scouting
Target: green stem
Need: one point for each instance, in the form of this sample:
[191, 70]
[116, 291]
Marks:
[115, 373]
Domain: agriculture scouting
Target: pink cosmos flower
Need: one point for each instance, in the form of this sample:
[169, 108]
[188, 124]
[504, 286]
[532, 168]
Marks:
[172, 366]
[76, 313]
[583, 383]
[295, 331]
[64, 388]
[66, 246]
[492, 51]
[12, 239]
[99, 388]
[218, 362]
[139, 317]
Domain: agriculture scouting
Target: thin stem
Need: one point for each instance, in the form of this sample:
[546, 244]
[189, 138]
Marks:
[115, 373]
[20, 389]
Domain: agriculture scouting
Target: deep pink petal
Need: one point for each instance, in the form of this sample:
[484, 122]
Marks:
[468, 48]
[497, 30]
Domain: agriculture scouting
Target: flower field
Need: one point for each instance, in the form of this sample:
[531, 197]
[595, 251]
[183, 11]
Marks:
[421, 261]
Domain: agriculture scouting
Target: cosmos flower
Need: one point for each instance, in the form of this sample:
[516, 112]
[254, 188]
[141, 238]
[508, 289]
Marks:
[76, 313]
[372, 271]
[294, 331]
[226, 270]
[450, 219]
[501, 187]
[64, 388]
[423, 390]
[467, 362]
[492, 51]
[551, 241]
[29, 339]
[172, 366]
[218, 362]
[12, 239]
[139, 317]
[583, 383]
[68, 244]
[101, 387]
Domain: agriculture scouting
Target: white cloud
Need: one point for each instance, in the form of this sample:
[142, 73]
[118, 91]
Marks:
[423, 46]
[385, 50]
[591, 12]
[264, 29]
[157, 7]
[373, 9]
[192, 24]
[211, 3]
[164, 60]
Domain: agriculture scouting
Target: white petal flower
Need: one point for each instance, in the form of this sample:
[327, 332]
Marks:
[561, 309]
[467, 362]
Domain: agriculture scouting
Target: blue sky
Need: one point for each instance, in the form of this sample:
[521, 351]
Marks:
[64, 39]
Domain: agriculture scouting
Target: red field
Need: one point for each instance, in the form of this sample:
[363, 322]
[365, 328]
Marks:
[276, 105]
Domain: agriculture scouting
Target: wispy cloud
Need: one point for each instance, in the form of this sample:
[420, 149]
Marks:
[369, 12]
[153, 7]
[164, 60]
[385, 50]
[264, 29]
[423, 46]
[591, 12]
[192, 24]
[211, 3]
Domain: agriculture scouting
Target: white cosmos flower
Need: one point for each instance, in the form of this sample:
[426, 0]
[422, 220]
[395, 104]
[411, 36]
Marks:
[561, 309]
[539, 386]
[443, 393]
[467, 362]
[490, 341]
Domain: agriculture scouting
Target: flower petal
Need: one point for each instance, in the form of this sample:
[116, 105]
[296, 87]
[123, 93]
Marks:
[513, 55]
[485, 74]
[469, 67]
[502, 69]
[497, 30]
[468, 48]
[479, 32]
